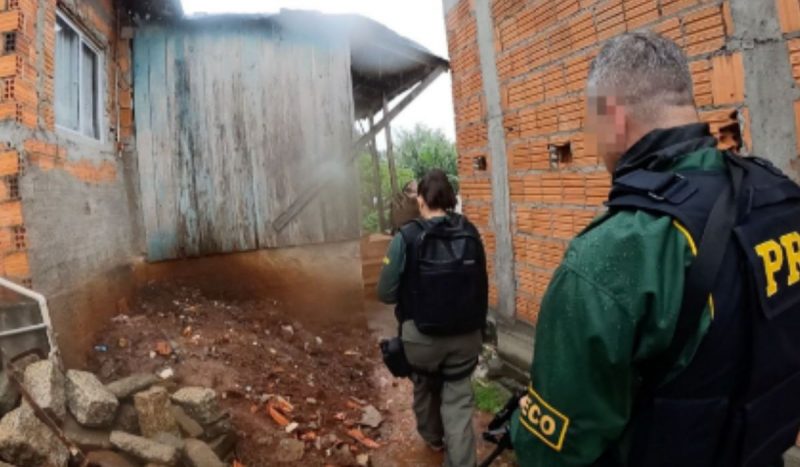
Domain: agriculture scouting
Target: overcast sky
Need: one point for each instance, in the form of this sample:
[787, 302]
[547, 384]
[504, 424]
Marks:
[420, 20]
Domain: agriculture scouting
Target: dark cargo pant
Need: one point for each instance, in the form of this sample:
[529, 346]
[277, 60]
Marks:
[444, 409]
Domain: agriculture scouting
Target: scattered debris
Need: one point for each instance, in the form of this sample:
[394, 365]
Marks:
[199, 454]
[101, 348]
[126, 387]
[46, 384]
[292, 427]
[153, 407]
[199, 403]
[290, 450]
[166, 373]
[24, 440]
[187, 424]
[363, 460]
[359, 436]
[163, 348]
[144, 449]
[371, 417]
[277, 416]
[89, 401]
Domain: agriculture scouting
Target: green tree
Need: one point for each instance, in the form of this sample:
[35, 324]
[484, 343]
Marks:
[416, 152]
[423, 148]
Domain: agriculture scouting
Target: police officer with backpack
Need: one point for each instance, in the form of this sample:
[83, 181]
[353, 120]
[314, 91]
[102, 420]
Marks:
[435, 271]
[670, 334]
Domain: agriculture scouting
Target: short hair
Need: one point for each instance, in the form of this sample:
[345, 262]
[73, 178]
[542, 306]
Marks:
[436, 190]
[646, 70]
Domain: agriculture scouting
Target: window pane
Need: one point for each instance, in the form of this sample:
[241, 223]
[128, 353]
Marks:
[67, 76]
[89, 94]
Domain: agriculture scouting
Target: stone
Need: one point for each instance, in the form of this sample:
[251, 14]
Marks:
[45, 383]
[89, 401]
[155, 416]
[126, 387]
[218, 428]
[342, 456]
[187, 424]
[24, 440]
[199, 454]
[9, 396]
[170, 440]
[223, 445]
[371, 417]
[199, 403]
[290, 450]
[127, 419]
[108, 459]
[86, 438]
[144, 449]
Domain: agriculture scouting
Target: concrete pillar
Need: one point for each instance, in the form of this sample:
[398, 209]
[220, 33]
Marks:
[501, 198]
[769, 83]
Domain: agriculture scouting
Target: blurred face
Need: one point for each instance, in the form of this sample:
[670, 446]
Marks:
[411, 189]
[606, 127]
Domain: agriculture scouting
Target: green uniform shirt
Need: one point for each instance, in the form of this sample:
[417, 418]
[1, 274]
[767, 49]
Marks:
[612, 304]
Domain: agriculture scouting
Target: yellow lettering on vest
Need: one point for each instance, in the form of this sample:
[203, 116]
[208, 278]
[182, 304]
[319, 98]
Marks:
[534, 413]
[548, 425]
[772, 255]
[791, 243]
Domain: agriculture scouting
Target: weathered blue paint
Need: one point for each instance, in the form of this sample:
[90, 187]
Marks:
[231, 125]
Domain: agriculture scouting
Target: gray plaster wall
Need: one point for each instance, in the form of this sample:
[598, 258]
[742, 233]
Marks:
[501, 197]
[769, 83]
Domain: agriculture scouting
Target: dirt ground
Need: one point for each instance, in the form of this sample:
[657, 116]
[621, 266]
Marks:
[251, 351]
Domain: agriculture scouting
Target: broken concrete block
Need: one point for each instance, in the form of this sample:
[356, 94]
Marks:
[24, 440]
[155, 416]
[89, 401]
[199, 454]
[218, 428]
[127, 419]
[144, 449]
[45, 383]
[108, 459]
[86, 438]
[187, 424]
[126, 387]
[199, 403]
[223, 445]
[170, 440]
[9, 396]
[290, 450]
[371, 417]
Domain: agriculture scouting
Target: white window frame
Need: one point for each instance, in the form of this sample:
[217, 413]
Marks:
[85, 40]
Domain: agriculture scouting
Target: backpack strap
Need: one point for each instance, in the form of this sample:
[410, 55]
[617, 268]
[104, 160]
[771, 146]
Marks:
[668, 194]
[703, 271]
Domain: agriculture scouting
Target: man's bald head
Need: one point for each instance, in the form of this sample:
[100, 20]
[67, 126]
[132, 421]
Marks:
[638, 82]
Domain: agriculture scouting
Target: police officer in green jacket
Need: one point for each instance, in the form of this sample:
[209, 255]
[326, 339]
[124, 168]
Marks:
[612, 309]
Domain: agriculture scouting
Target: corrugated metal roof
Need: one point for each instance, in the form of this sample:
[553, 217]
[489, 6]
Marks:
[382, 61]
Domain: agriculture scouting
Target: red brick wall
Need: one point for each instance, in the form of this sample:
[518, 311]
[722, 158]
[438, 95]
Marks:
[543, 50]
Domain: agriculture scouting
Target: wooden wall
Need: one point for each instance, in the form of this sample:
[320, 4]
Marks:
[233, 122]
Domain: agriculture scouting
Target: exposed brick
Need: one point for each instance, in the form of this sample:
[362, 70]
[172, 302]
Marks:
[10, 214]
[789, 15]
[727, 79]
[9, 163]
[16, 265]
[669, 7]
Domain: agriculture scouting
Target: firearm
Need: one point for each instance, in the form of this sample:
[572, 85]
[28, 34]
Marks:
[498, 432]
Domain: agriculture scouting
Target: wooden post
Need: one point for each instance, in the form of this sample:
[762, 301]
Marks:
[390, 150]
[376, 174]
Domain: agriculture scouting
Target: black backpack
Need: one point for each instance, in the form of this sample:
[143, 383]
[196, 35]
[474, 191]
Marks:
[444, 287]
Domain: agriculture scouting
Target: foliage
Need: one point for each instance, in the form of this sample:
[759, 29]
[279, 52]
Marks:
[490, 396]
[423, 149]
[416, 152]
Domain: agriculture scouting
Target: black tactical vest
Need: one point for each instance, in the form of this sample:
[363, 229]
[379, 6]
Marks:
[738, 402]
[444, 286]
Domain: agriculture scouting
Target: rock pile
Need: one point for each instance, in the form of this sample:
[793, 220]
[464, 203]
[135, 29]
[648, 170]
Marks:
[136, 421]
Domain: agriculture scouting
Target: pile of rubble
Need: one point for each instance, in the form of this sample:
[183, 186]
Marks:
[140, 420]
